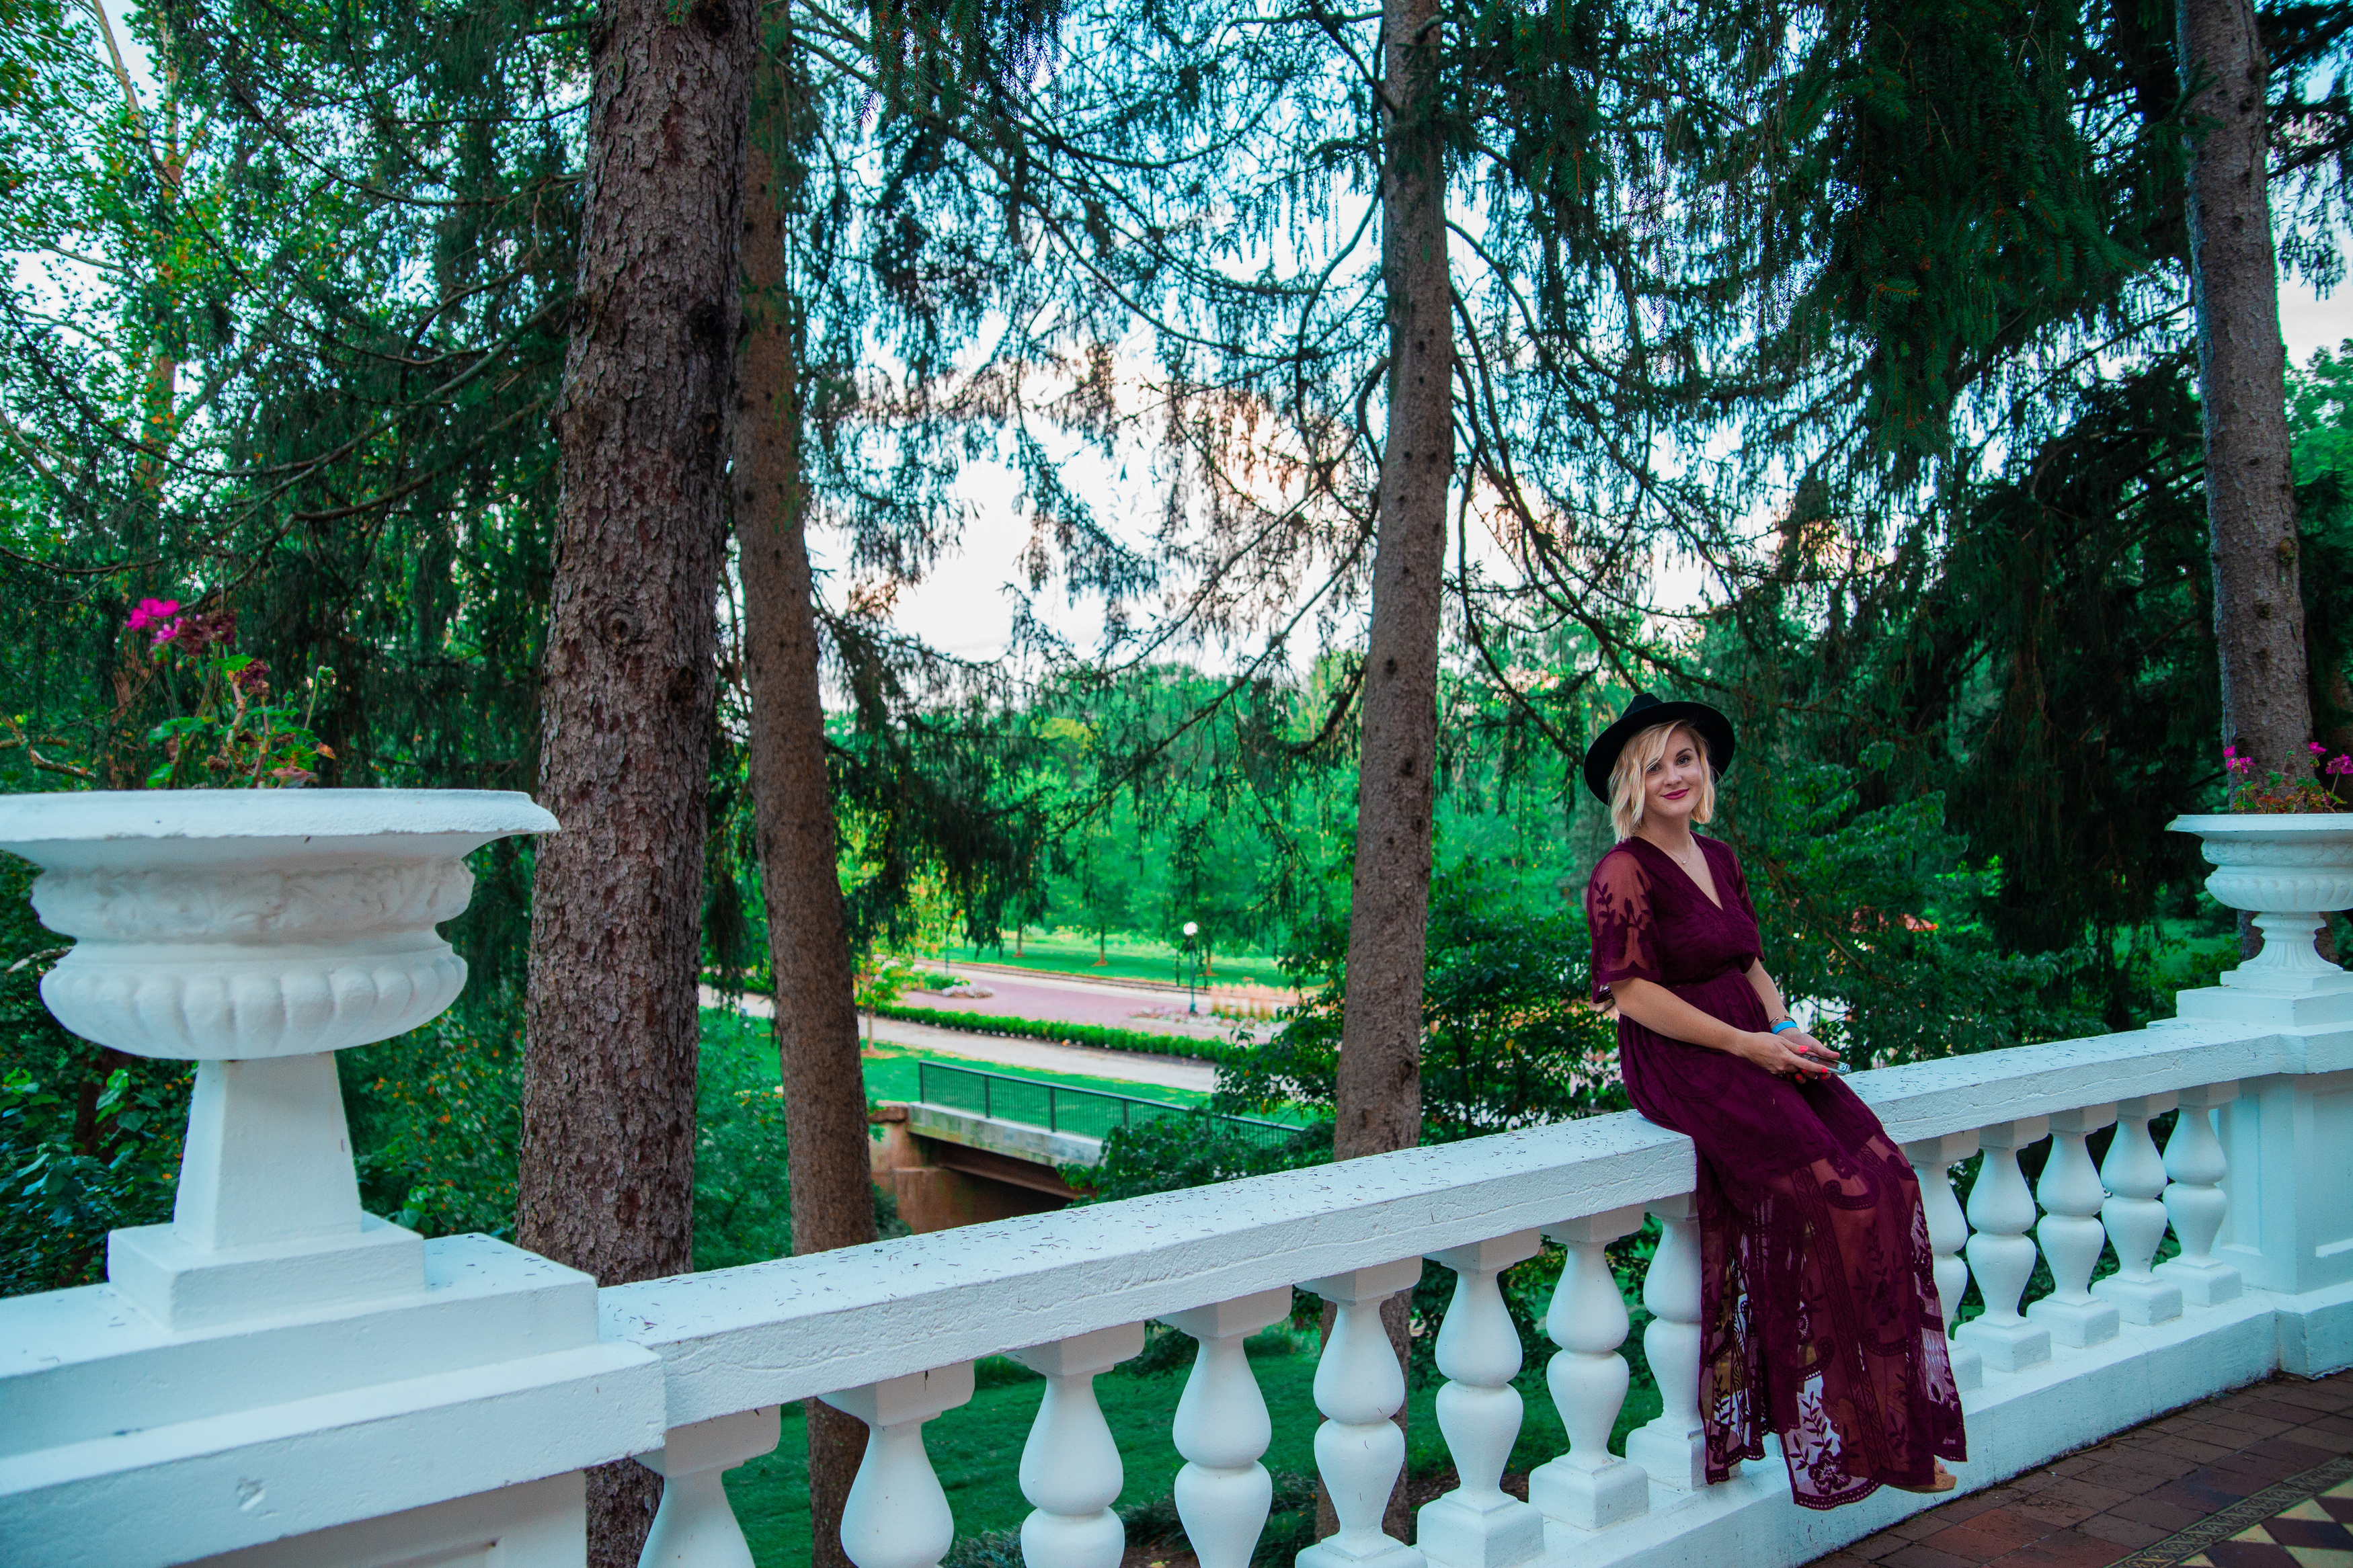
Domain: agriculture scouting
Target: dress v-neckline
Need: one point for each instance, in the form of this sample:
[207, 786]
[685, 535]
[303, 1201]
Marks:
[1708, 892]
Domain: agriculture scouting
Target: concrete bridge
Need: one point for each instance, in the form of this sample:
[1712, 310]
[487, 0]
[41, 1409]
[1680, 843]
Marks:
[974, 1146]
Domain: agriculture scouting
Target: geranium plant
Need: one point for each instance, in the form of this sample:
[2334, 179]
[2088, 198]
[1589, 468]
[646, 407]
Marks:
[2278, 793]
[239, 733]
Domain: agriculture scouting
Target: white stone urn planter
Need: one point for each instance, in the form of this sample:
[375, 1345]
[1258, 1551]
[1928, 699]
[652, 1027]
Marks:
[2288, 869]
[257, 932]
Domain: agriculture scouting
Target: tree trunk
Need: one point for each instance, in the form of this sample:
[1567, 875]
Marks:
[606, 1181]
[817, 1010]
[2250, 501]
[1377, 1095]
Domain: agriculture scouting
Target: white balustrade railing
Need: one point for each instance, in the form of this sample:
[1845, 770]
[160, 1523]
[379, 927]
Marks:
[1219, 1263]
[440, 1405]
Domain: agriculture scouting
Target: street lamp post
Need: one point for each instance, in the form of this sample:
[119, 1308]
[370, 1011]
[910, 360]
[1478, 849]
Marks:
[1192, 966]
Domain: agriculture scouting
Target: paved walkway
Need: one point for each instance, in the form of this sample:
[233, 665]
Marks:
[999, 1051]
[2259, 1479]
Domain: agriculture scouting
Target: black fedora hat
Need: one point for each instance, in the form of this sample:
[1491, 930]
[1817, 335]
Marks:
[1641, 713]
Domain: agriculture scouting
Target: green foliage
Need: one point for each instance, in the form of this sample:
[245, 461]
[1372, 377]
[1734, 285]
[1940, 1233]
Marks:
[436, 1118]
[1508, 1039]
[89, 1139]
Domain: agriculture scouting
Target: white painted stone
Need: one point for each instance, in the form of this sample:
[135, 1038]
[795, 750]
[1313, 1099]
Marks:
[1478, 1524]
[1071, 1470]
[256, 932]
[1588, 1486]
[2072, 1237]
[2001, 1255]
[1223, 1493]
[896, 1515]
[2135, 1218]
[1359, 1449]
[2194, 1198]
[795, 1327]
[538, 1524]
[695, 1526]
[1673, 1450]
[1933, 1160]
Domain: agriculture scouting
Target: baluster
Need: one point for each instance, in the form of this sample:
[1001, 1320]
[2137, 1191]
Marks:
[1223, 1493]
[1673, 1450]
[2000, 1254]
[1070, 1468]
[1588, 1486]
[694, 1526]
[2195, 1199]
[2135, 1177]
[1933, 1160]
[1478, 1524]
[896, 1516]
[2072, 1233]
[1359, 1450]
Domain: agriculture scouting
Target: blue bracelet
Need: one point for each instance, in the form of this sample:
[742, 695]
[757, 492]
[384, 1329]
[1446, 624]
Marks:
[1785, 1024]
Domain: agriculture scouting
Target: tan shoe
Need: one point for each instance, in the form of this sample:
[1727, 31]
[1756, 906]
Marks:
[1945, 1482]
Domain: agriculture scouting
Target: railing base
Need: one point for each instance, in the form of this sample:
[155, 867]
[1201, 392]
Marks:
[2016, 1421]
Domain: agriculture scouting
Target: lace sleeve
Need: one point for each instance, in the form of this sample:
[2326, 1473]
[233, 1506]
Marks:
[1618, 912]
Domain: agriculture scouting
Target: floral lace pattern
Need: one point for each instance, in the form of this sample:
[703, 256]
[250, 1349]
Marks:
[1818, 1311]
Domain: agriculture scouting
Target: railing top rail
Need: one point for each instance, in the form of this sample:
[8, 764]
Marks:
[1180, 1107]
[736, 1339]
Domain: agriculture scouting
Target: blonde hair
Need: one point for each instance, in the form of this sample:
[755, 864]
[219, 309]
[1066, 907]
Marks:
[1634, 760]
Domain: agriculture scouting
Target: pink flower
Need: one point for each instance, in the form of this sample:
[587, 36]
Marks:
[161, 614]
[2317, 749]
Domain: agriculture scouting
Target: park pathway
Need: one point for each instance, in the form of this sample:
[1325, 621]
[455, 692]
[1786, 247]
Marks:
[2262, 1478]
[1000, 1050]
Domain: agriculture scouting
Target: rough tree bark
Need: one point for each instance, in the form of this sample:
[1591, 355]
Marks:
[2241, 385]
[816, 1009]
[2242, 382]
[1377, 1095]
[608, 1161]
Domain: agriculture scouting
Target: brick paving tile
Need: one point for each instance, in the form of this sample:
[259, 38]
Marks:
[2128, 1534]
[2337, 1430]
[2190, 1448]
[2166, 1516]
[2321, 1395]
[2054, 1513]
[2140, 1476]
[1969, 1506]
[2188, 1495]
[1872, 1548]
[1918, 1556]
[2248, 1473]
[2074, 1465]
[1919, 1527]
[2252, 1426]
[2088, 1492]
[1989, 1535]
[2064, 1548]
[2287, 1450]
[2277, 1410]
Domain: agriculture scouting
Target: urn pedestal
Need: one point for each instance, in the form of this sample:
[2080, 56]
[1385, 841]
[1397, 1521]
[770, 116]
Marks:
[2287, 870]
[283, 1380]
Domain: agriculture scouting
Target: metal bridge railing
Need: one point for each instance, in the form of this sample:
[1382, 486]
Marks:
[1059, 1107]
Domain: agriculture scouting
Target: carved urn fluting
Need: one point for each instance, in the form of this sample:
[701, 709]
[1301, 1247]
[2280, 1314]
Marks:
[257, 932]
[2289, 871]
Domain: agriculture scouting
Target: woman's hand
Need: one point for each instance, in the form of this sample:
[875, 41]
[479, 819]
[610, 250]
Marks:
[1789, 1054]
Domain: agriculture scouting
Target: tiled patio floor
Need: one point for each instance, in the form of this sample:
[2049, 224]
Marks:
[2241, 1481]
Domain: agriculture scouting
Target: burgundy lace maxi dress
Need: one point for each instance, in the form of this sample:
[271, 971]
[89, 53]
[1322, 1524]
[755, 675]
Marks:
[1817, 1302]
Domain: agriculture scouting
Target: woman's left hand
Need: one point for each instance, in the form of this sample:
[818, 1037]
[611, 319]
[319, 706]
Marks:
[1805, 1044]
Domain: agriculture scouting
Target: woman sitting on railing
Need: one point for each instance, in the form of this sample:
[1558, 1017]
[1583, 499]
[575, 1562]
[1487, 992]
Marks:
[1818, 1310]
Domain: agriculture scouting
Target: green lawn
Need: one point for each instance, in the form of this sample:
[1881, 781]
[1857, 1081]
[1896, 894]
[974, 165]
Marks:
[977, 1449]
